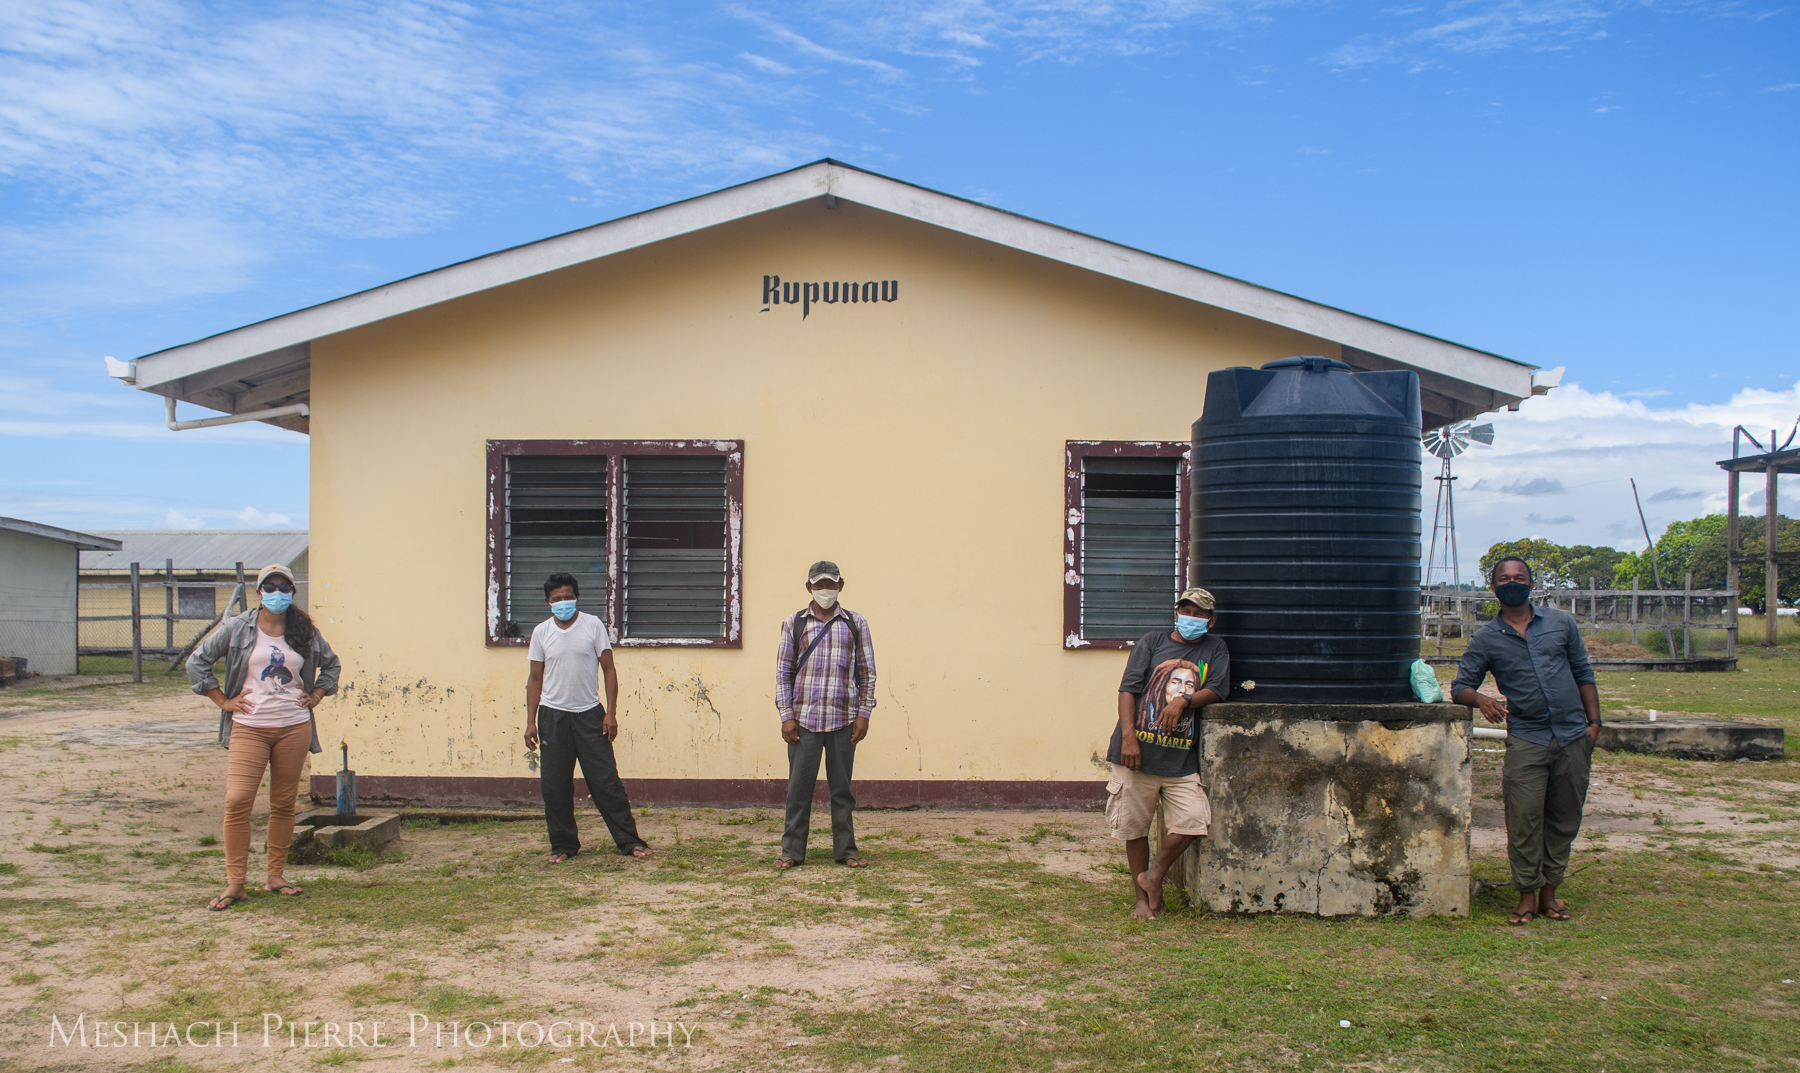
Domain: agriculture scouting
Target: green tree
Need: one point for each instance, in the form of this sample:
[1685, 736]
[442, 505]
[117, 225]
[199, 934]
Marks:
[1699, 545]
[1709, 561]
[1586, 561]
[1548, 560]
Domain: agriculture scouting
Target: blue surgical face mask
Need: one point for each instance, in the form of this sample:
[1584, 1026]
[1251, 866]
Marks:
[1190, 627]
[564, 610]
[278, 602]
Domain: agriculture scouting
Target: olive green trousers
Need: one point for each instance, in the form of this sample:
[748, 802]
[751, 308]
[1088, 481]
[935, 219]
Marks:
[1545, 787]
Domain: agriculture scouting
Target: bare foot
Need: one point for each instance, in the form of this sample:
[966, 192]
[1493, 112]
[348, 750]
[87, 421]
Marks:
[1152, 889]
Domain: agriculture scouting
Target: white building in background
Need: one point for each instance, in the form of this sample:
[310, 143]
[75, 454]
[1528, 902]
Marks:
[38, 569]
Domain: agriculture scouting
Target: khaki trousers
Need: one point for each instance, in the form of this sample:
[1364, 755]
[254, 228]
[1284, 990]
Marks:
[281, 752]
[1545, 788]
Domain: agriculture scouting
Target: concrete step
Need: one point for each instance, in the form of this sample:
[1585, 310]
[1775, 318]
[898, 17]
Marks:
[1693, 738]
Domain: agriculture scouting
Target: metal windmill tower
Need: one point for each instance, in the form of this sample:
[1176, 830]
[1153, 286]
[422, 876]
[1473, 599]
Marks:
[1446, 443]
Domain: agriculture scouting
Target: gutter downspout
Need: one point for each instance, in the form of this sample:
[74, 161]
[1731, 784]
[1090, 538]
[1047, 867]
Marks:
[298, 409]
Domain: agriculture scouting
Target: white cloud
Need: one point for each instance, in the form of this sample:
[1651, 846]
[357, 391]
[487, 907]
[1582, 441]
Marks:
[1475, 26]
[179, 148]
[1783, 88]
[1589, 445]
[256, 519]
[174, 519]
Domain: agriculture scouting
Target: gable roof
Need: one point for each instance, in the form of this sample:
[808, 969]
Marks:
[197, 549]
[82, 541]
[266, 364]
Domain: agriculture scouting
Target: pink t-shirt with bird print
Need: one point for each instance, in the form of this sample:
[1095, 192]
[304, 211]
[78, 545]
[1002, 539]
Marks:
[273, 686]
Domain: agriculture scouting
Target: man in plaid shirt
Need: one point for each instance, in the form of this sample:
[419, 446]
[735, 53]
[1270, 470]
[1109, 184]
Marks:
[824, 690]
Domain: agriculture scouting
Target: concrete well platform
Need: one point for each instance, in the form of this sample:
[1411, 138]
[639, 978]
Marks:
[1334, 810]
[1693, 739]
[328, 830]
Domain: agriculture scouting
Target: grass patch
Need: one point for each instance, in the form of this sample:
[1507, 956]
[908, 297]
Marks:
[7, 868]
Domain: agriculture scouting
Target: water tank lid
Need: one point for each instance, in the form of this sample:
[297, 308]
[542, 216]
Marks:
[1312, 363]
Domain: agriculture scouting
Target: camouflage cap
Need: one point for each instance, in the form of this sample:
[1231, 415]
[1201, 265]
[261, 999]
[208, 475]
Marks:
[1196, 596]
[823, 570]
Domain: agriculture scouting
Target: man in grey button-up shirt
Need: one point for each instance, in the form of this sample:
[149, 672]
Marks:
[1552, 716]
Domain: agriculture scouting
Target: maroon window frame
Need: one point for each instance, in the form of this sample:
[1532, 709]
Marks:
[1074, 452]
[498, 451]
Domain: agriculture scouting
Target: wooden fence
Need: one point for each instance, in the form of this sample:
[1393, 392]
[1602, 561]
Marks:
[1661, 610]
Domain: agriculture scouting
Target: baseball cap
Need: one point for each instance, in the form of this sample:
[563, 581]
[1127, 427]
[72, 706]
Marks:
[274, 568]
[823, 570]
[1196, 596]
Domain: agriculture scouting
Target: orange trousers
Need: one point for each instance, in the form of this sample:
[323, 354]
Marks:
[282, 753]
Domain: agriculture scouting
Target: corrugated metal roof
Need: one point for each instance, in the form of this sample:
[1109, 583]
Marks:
[198, 549]
[51, 532]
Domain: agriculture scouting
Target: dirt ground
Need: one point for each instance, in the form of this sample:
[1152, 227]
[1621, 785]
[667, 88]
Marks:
[106, 861]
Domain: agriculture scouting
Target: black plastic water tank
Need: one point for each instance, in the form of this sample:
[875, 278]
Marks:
[1306, 528]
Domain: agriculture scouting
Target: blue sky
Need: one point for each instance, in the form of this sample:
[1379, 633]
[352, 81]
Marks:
[1607, 186]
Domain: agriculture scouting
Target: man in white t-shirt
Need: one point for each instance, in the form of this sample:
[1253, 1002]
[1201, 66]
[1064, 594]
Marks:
[569, 652]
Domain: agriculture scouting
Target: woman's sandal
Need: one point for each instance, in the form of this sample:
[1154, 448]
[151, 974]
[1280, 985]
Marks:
[224, 902]
[1555, 911]
[1520, 919]
[288, 889]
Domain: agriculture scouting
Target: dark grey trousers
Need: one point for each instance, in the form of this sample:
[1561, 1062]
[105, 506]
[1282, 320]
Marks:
[1545, 788]
[563, 739]
[803, 775]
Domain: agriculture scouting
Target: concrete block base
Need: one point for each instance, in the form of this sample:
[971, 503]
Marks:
[328, 830]
[1693, 739]
[1334, 810]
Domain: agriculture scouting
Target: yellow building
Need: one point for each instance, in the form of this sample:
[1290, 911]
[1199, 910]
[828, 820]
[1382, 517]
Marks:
[982, 418]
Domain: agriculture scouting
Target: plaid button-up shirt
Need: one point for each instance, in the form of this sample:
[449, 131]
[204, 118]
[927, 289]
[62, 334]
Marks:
[835, 685]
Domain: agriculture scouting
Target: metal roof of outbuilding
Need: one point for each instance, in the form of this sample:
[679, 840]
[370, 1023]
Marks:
[198, 549]
[83, 541]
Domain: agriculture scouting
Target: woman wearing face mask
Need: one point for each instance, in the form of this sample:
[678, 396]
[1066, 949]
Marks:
[277, 669]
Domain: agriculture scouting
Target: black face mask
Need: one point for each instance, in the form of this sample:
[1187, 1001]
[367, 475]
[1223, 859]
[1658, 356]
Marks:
[1513, 593]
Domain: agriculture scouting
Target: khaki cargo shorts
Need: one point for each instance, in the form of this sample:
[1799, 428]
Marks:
[1132, 797]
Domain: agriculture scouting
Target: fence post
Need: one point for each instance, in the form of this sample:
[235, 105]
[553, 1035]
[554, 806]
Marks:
[243, 601]
[1687, 617]
[137, 627]
[1634, 602]
[169, 604]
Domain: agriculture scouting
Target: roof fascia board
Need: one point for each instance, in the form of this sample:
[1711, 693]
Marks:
[1422, 352]
[1501, 375]
[82, 541]
[482, 273]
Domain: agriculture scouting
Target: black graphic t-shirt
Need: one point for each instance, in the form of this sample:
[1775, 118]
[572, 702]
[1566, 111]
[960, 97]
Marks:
[1161, 669]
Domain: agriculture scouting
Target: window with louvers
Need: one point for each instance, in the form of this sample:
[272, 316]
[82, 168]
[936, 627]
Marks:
[556, 521]
[1130, 546]
[674, 546]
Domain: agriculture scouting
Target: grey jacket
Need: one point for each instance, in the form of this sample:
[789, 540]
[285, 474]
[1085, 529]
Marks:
[232, 642]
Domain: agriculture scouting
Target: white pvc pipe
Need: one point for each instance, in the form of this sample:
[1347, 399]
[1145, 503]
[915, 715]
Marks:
[298, 409]
[1488, 732]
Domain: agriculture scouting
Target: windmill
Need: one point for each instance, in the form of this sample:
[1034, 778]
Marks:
[1446, 443]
